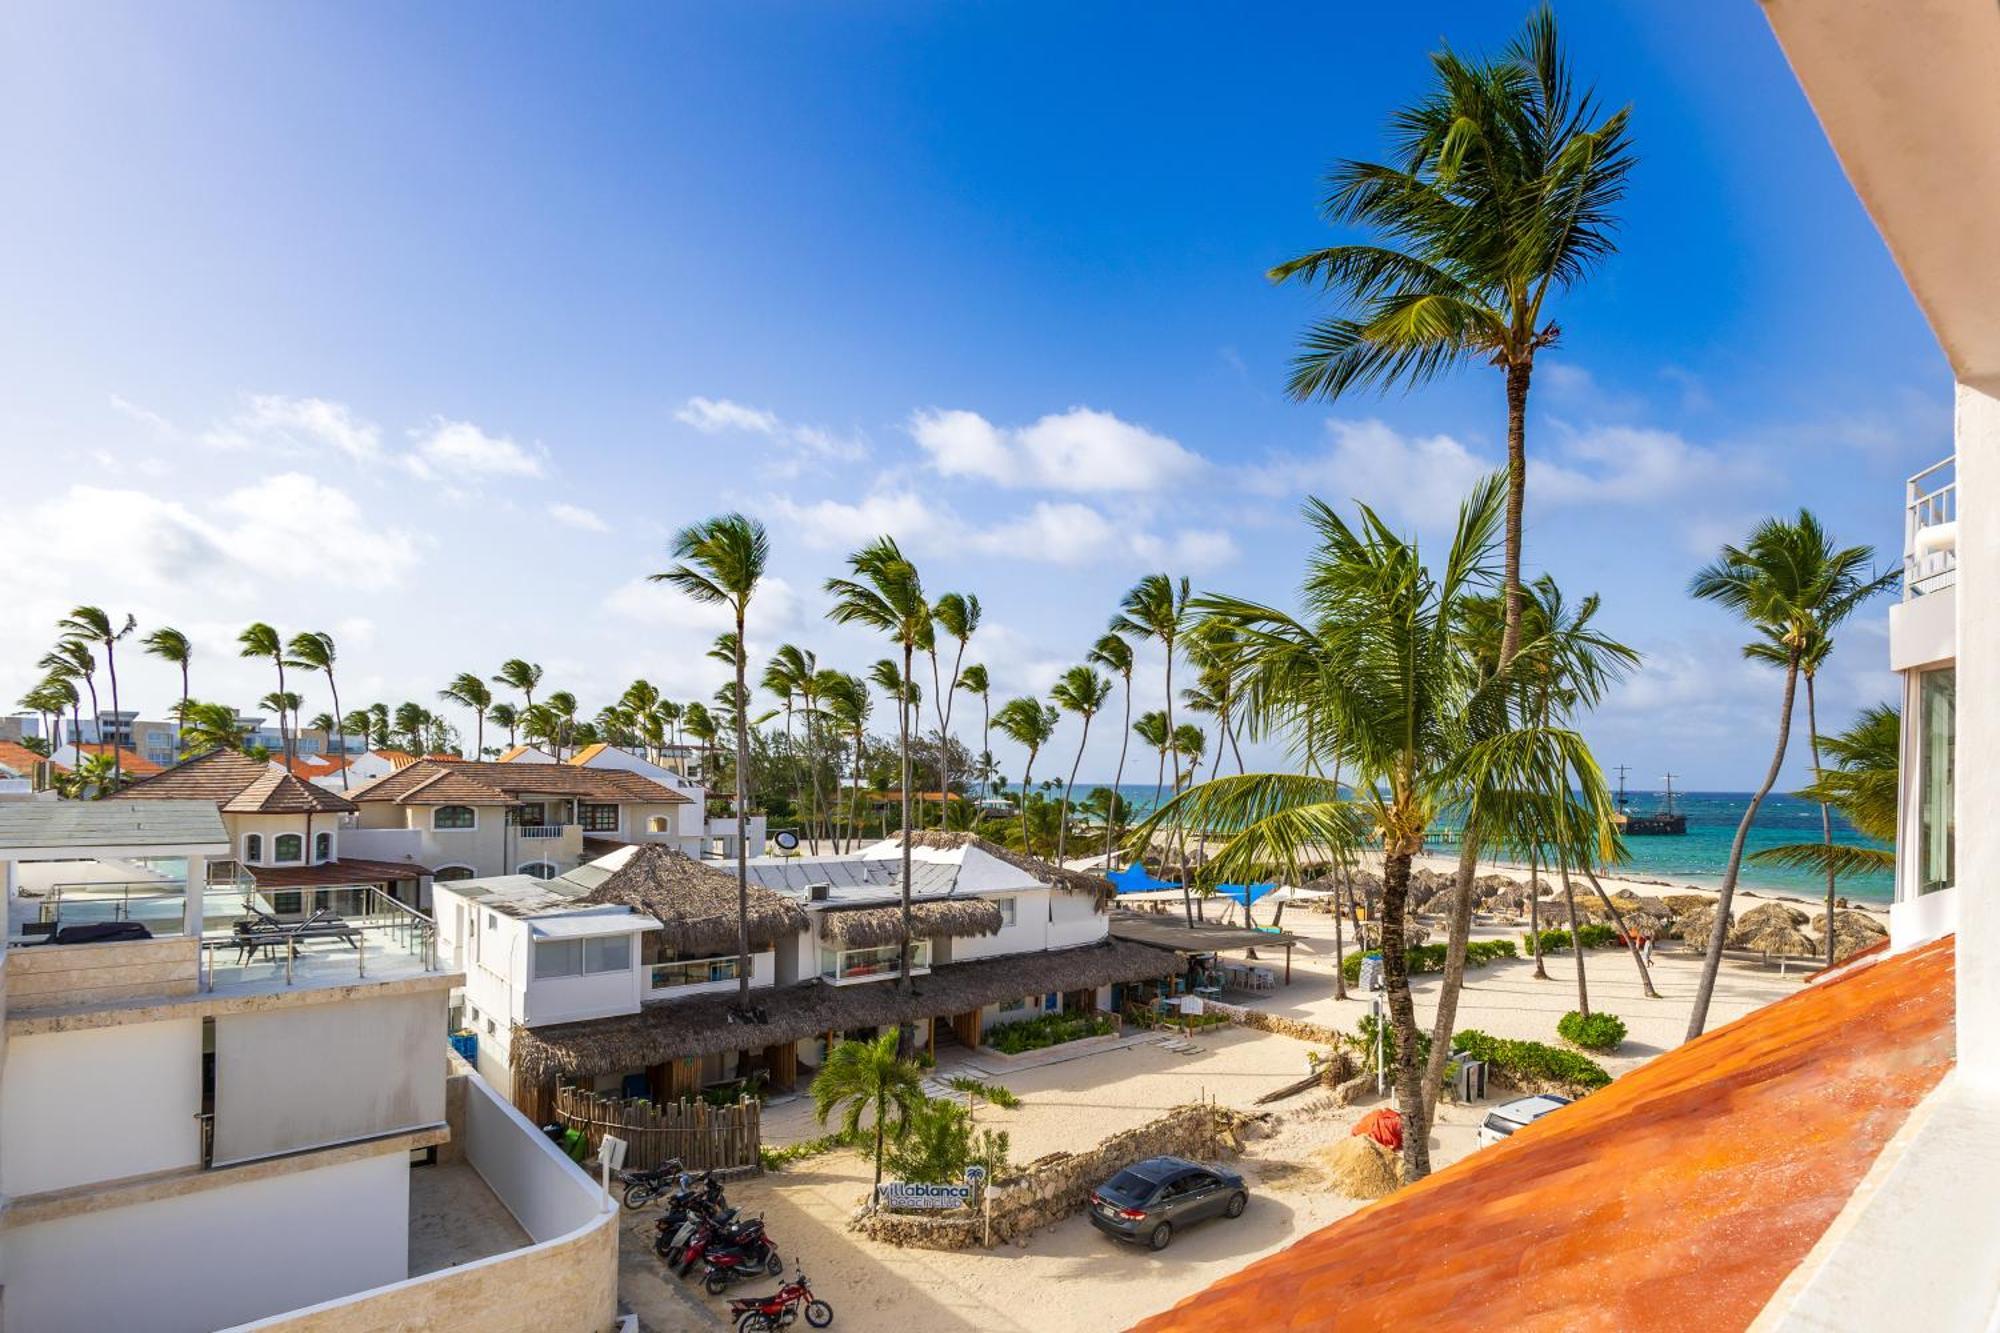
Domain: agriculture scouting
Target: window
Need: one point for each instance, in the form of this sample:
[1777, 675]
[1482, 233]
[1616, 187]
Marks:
[531, 814]
[1006, 906]
[322, 846]
[575, 958]
[598, 818]
[538, 869]
[1012, 1006]
[446, 874]
[253, 848]
[454, 816]
[287, 903]
[694, 972]
[1936, 836]
[288, 849]
[659, 824]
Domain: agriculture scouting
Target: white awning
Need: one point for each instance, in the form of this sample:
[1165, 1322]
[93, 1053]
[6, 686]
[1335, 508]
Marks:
[589, 924]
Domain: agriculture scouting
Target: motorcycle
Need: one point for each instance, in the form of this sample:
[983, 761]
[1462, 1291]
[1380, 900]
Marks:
[764, 1314]
[741, 1259]
[642, 1187]
[724, 1232]
[673, 1229]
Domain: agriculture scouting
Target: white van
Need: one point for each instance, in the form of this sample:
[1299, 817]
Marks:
[1504, 1119]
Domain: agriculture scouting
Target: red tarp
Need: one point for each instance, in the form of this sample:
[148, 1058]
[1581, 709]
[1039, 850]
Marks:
[1384, 1125]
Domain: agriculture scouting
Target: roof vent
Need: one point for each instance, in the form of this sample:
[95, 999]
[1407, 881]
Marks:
[818, 893]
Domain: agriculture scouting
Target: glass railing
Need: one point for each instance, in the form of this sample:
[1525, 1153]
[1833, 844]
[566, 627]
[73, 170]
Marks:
[694, 972]
[1930, 530]
[865, 964]
[384, 939]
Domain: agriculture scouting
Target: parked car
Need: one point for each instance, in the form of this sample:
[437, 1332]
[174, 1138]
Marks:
[1148, 1202]
[1507, 1117]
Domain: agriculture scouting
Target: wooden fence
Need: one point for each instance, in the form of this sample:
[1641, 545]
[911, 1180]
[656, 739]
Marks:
[704, 1137]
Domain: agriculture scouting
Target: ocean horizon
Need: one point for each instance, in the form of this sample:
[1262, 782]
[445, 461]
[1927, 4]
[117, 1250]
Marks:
[1699, 856]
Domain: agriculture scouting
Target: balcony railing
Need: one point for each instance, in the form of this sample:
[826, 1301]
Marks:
[693, 972]
[543, 830]
[874, 963]
[385, 939]
[1930, 530]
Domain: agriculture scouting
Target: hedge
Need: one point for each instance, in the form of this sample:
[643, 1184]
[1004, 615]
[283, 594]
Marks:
[1430, 957]
[1596, 935]
[1522, 1060]
[1593, 1032]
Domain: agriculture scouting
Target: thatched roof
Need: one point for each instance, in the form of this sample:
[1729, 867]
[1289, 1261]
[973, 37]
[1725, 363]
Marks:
[1780, 939]
[702, 1025]
[695, 903]
[949, 918]
[1852, 923]
[1771, 913]
[1072, 881]
[1695, 924]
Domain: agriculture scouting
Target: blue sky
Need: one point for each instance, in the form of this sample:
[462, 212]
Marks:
[427, 326]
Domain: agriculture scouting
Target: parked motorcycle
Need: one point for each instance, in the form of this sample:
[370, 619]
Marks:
[764, 1314]
[642, 1187]
[746, 1258]
[672, 1231]
[724, 1232]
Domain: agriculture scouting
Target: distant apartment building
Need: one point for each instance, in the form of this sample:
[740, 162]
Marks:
[207, 1122]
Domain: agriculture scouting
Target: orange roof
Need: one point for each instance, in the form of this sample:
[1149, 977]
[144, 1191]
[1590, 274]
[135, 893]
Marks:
[19, 758]
[129, 759]
[589, 752]
[1679, 1197]
[310, 765]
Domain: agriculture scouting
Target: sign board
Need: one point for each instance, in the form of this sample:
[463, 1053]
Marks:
[974, 1174]
[611, 1152]
[1190, 1004]
[904, 1194]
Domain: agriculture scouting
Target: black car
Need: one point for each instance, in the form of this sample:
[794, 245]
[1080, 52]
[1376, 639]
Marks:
[1149, 1201]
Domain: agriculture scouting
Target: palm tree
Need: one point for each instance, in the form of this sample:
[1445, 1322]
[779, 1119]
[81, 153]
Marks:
[1152, 729]
[467, 690]
[72, 660]
[788, 676]
[1862, 786]
[504, 715]
[886, 594]
[520, 674]
[869, 1078]
[1156, 608]
[699, 724]
[1373, 671]
[847, 707]
[314, 651]
[50, 699]
[974, 681]
[957, 614]
[1784, 582]
[668, 713]
[1082, 691]
[260, 640]
[92, 625]
[95, 777]
[210, 726]
[413, 725]
[170, 645]
[722, 561]
[1115, 655]
[810, 688]
[1502, 189]
[1028, 723]
[283, 703]
[1189, 743]
[1211, 645]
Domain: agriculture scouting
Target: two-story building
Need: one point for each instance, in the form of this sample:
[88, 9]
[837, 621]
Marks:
[467, 818]
[286, 835]
[211, 1123]
[699, 833]
[996, 937]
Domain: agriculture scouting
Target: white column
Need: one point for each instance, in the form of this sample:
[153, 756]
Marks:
[1976, 779]
[197, 886]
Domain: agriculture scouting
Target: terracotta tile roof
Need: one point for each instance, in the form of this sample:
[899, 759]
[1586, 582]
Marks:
[131, 759]
[478, 782]
[311, 765]
[400, 758]
[347, 871]
[1678, 1198]
[586, 754]
[238, 784]
[19, 758]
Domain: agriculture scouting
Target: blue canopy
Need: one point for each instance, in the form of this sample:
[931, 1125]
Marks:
[1135, 878]
[1244, 893]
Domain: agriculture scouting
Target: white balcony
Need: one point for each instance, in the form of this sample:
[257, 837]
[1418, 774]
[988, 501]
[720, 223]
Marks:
[843, 967]
[1930, 530]
[531, 832]
[683, 977]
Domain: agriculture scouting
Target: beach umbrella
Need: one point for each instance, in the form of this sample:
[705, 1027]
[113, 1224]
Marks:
[1686, 902]
[1695, 924]
[1851, 922]
[1774, 939]
[1773, 914]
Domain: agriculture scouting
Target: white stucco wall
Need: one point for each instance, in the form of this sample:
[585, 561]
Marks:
[1977, 783]
[99, 1104]
[214, 1257]
[1075, 920]
[548, 1194]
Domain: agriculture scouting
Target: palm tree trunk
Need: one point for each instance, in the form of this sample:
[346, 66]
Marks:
[1517, 494]
[340, 727]
[812, 766]
[1618, 920]
[1339, 947]
[742, 823]
[903, 979]
[1718, 935]
[1027, 776]
[1535, 915]
[1403, 1016]
[1460, 932]
[1575, 936]
[118, 751]
[1118, 782]
[1827, 819]
[184, 691]
[1062, 829]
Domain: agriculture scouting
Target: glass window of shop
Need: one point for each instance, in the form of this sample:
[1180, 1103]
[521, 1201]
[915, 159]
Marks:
[1936, 691]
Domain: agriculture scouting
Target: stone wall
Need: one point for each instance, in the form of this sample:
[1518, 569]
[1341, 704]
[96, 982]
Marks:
[1053, 1187]
[1298, 1028]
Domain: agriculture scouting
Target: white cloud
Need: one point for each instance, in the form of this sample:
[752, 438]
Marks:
[837, 525]
[297, 424]
[801, 444]
[1081, 450]
[1417, 479]
[456, 449]
[146, 417]
[1058, 534]
[1194, 549]
[576, 516]
[1628, 464]
[773, 607]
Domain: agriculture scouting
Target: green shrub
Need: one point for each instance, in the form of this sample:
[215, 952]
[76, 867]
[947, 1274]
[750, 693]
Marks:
[1481, 952]
[1043, 1030]
[992, 1092]
[940, 1143]
[1430, 957]
[777, 1159]
[1593, 1032]
[1532, 1060]
[1362, 1043]
[1595, 935]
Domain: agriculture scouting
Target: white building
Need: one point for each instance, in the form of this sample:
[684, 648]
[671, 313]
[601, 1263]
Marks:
[206, 1123]
[621, 975]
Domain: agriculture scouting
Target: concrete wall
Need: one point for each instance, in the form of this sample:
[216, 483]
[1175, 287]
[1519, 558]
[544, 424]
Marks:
[1978, 735]
[52, 976]
[99, 1104]
[213, 1257]
[592, 995]
[309, 1076]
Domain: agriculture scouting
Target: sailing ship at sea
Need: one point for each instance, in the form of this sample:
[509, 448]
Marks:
[1664, 822]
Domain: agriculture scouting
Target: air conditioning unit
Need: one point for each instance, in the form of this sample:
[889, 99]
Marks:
[1470, 1085]
[818, 893]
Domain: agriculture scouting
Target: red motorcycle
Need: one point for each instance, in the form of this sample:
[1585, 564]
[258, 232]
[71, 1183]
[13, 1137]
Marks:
[763, 1314]
[719, 1233]
[744, 1255]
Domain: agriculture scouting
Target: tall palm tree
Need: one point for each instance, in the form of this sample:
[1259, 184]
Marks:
[314, 651]
[1189, 743]
[1081, 691]
[210, 726]
[92, 625]
[847, 704]
[1028, 723]
[639, 701]
[1861, 784]
[1783, 582]
[50, 700]
[788, 676]
[260, 640]
[170, 645]
[669, 714]
[284, 703]
[520, 674]
[1152, 729]
[1373, 666]
[467, 690]
[71, 661]
[1211, 646]
[722, 560]
[1501, 191]
[886, 594]
[869, 1078]
[1156, 608]
[974, 681]
[504, 714]
[1115, 655]
[957, 614]
[564, 706]
[814, 716]
[700, 725]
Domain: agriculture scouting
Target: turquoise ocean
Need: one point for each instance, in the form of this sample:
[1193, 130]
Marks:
[1699, 856]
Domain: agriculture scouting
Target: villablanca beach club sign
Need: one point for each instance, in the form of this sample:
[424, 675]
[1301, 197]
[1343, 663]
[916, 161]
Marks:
[911, 1195]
